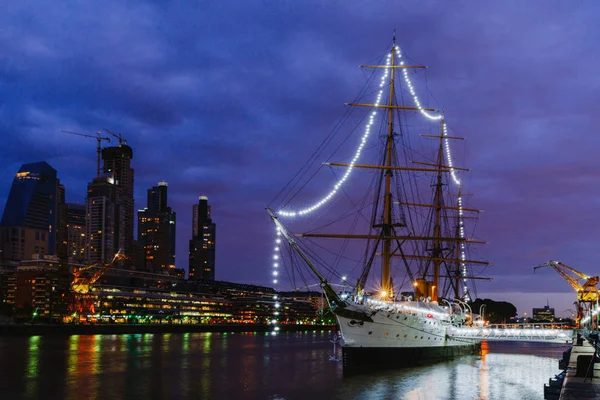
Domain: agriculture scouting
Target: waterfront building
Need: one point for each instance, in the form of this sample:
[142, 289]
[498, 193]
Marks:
[124, 304]
[102, 220]
[156, 232]
[203, 242]
[545, 314]
[8, 286]
[117, 163]
[223, 303]
[30, 221]
[75, 227]
[316, 298]
[36, 287]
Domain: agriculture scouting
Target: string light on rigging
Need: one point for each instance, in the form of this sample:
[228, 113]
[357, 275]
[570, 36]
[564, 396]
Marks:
[275, 273]
[461, 225]
[357, 154]
[412, 90]
[343, 179]
[453, 172]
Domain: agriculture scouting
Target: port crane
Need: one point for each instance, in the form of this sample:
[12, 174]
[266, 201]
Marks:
[587, 292]
[86, 276]
[98, 151]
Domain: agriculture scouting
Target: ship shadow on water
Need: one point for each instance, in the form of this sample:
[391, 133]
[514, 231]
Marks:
[502, 370]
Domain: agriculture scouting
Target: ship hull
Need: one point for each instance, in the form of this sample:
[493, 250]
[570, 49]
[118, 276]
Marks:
[398, 337]
[365, 359]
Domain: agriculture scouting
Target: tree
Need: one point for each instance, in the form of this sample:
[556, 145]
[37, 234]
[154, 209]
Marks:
[496, 312]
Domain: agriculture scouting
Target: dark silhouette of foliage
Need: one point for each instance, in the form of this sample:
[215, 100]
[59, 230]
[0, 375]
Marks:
[496, 312]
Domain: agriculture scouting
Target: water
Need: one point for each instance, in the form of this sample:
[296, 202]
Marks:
[252, 366]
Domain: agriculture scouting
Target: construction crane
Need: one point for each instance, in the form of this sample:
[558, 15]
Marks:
[99, 151]
[587, 292]
[119, 136]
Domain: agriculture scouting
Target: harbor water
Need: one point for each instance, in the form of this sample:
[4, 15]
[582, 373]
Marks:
[287, 366]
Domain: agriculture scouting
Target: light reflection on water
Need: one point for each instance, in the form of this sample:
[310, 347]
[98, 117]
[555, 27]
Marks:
[248, 366]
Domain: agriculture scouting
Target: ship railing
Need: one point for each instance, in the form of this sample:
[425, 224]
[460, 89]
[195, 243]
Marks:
[407, 309]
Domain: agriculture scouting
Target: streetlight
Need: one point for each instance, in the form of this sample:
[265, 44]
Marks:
[344, 282]
[467, 306]
[482, 311]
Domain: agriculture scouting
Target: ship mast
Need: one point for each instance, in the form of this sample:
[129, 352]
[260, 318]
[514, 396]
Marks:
[386, 233]
[436, 251]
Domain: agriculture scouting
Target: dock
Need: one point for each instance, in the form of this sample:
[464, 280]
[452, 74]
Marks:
[582, 379]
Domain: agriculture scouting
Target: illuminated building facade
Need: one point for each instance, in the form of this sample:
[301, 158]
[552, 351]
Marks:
[102, 220]
[30, 220]
[156, 232]
[202, 245]
[138, 305]
[223, 303]
[117, 164]
[75, 228]
[36, 286]
[8, 285]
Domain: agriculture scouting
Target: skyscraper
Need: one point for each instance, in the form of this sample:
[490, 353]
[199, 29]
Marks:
[30, 219]
[75, 232]
[117, 163]
[102, 220]
[202, 245]
[156, 231]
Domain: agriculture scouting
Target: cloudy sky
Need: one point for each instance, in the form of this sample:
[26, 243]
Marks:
[228, 98]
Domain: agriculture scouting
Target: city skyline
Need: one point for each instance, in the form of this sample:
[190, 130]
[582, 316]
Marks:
[231, 110]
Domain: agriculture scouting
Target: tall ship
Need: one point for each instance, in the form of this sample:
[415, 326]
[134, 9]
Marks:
[385, 230]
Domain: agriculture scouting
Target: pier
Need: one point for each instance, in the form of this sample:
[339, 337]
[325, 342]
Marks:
[582, 380]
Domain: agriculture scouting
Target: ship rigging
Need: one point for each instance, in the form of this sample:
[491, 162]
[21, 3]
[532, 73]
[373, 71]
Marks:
[434, 252]
[408, 218]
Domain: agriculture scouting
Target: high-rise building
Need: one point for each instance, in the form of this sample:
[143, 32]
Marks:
[117, 163]
[102, 220]
[156, 231]
[75, 228]
[543, 314]
[202, 245]
[61, 223]
[30, 220]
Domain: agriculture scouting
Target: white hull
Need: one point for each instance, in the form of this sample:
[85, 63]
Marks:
[399, 325]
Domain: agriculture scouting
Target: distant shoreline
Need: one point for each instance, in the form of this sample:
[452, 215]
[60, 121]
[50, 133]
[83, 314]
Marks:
[119, 329]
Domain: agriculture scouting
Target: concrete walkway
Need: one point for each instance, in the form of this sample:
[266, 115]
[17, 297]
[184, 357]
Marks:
[578, 387]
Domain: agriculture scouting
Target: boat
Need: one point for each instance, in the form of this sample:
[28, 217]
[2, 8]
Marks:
[414, 227]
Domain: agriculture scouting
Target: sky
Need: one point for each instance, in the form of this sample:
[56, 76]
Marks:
[228, 98]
